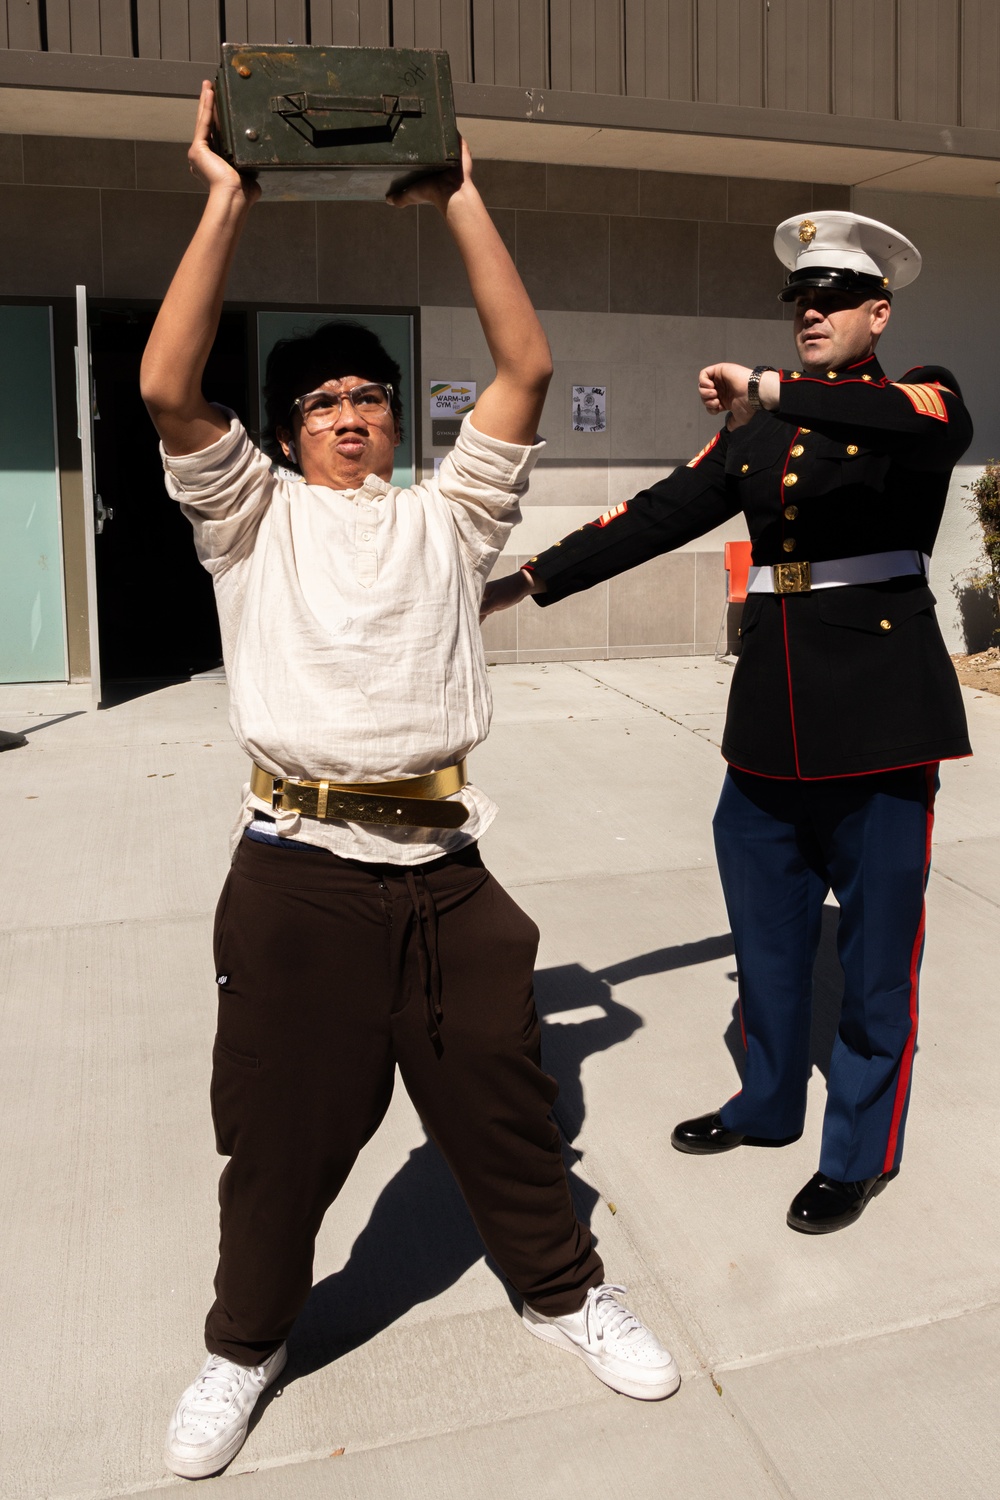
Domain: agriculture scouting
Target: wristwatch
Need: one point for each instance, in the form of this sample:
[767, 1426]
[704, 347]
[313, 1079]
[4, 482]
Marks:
[753, 386]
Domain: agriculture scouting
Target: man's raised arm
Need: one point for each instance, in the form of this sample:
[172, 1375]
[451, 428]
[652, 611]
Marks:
[188, 320]
[511, 405]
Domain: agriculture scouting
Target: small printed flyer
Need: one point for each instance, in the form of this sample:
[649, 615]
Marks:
[451, 400]
[590, 412]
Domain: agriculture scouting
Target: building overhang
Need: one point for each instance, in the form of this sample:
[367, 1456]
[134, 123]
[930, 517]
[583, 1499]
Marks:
[134, 98]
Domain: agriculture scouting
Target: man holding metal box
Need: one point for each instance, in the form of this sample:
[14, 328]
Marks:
[358, 929]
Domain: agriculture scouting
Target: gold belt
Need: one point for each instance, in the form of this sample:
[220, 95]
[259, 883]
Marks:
[416, 802]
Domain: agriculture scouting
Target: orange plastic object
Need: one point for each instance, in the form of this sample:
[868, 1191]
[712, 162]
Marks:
[737, 569]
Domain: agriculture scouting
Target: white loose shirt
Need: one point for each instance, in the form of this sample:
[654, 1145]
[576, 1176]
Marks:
[350, 623]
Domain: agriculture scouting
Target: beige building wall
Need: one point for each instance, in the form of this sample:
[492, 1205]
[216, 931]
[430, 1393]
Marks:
[951, 316]
[641, 278]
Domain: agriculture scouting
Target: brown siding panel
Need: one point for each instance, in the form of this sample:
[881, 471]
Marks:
[235, 21]
[561, 44]
[586, 46]
[352, 23]
[177, 30]
[980, 102]
[435, 23]
[511, 39]
[161, 23]
[116, 28]
[609, 72]
[798, 55]
[928, 60]
[265, 20]
[57, 18]
[20, 26]
[456, 38]
[203, 33]
[731, 51]
[659, 60]
[864, 59]
[74, 26]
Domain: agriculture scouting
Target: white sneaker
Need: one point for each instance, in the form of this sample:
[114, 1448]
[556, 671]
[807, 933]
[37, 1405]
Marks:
[612, 1342]
[209, 1427]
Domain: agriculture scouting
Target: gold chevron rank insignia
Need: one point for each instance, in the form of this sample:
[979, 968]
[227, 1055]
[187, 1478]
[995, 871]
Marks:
[925, 399]
[694, 462]
[609, 515]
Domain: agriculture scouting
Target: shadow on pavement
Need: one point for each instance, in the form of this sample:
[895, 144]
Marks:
[420, 1238]
[125, 690]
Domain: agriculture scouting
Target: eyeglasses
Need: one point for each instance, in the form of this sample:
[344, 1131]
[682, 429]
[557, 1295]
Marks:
[321, 409]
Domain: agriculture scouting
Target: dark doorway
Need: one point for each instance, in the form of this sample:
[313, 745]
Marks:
[155, 601]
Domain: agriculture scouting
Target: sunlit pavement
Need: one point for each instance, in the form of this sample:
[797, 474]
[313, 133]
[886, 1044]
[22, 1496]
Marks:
[860, 1364]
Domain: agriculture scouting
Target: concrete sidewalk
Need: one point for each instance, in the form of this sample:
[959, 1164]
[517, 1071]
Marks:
[854, 1365]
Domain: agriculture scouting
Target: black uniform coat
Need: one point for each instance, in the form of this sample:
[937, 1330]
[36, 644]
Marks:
[837, 681]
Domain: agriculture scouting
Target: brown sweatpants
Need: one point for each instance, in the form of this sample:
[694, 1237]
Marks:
[331, 974]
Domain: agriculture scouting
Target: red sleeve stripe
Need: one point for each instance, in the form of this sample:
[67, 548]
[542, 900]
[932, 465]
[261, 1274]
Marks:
[694, 462]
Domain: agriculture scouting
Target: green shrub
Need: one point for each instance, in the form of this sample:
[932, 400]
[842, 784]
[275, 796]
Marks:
[984, 503]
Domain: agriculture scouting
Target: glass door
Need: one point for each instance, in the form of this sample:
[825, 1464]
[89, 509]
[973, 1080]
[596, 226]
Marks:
[32, 598]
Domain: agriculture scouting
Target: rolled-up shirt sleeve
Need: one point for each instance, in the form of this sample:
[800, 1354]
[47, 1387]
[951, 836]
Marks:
[224, 490]
[483, 479]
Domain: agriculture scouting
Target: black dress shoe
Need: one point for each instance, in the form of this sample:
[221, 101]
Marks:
[824, 1204]
[704, 1136]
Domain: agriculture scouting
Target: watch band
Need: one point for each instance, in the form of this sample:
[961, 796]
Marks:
[753, 386]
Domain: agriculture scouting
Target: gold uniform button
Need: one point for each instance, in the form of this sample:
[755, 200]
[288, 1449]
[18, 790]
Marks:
[886, 624]
[805, 430]
[852, 448]
[791, 512]
[866, 377]
[796, 375]
[745, 469]
[831, 374]
[797, 451]
[789, 480]
[788, 545]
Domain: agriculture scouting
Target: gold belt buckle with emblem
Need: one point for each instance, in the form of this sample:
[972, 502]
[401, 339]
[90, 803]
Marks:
[792, 578]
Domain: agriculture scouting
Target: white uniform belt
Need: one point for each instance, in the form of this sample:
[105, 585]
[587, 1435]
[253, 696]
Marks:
[838, 572]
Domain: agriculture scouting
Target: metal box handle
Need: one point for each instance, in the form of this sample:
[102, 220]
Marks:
[315, 115]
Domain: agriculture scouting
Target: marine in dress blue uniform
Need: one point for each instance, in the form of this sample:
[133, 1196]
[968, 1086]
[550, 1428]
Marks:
[843, 701]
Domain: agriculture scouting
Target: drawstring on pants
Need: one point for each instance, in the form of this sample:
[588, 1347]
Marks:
[426, 929]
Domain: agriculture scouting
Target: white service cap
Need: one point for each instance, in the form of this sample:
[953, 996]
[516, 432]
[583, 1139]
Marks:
[844, 252]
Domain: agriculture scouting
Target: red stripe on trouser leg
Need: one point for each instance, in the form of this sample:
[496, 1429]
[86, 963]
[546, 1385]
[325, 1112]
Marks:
[906, 1061]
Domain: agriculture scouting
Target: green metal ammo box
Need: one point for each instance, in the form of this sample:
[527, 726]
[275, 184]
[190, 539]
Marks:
[335, 122]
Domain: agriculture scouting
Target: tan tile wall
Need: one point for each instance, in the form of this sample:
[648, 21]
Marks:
[586, 239]
[640, 277]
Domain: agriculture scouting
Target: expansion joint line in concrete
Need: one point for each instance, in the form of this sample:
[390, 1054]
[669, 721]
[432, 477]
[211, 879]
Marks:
[754, 1442]
[970, 890]
[633, 699]
[746, 1427]
[166, 919]
[910, 1325]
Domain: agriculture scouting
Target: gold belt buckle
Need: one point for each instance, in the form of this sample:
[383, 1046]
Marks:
[792, 578]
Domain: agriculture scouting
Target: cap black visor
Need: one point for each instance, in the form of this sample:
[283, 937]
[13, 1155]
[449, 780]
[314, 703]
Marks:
[833, 279]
